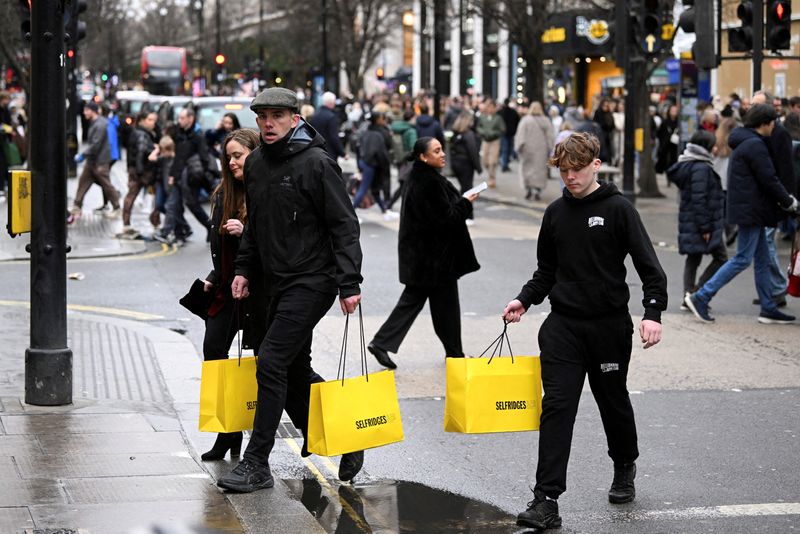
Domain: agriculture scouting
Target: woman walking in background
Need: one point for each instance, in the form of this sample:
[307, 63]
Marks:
[534, 143]
[465, 160]
[225, 317]
[435, 250]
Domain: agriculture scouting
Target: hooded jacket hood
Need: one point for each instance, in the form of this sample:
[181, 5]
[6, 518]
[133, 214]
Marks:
[424, 121]
[605, 190]
[740, 135]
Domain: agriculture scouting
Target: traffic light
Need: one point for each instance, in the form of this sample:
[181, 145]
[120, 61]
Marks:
[699, 20]
[74, 28]
[25, 19]
[219, 59]
[779, 24]
[647, 25]
[379, 73]
[741, 39]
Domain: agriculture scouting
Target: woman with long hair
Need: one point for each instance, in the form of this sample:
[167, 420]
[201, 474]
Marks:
[435, 250]
[534, 142]
[465, 158]
[225, 317]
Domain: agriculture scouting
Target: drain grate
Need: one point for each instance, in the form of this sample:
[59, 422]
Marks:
[287, 430]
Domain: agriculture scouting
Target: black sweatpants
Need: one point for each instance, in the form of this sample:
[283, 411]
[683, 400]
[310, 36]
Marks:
[445, 313]
[284, 373]
[570, 349]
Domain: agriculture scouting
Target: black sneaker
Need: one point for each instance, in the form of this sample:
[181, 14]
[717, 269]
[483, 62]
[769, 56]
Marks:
[622, 488]
[698, 308]
[247, 477]
[775, 317]
[350, 465]
[542, 513]
[780, 301]
[382, 356]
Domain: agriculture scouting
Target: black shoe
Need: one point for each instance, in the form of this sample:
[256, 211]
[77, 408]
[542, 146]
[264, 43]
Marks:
[528, 194]
[247, 477]
[622, 488]
[225, 441]
[382, 356]
[350, 465]
[542, 513]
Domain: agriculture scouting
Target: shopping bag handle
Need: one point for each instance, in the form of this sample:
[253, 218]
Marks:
[363, 348]
[497, 344]
[235, 317]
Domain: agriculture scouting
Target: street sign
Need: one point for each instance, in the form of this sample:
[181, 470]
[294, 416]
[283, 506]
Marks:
[19, 203]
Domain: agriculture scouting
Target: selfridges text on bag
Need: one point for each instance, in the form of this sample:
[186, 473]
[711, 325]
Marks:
[353, 414]
[494, 394]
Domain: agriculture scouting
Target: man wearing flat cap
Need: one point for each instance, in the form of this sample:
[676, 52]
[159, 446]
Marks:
[304, 233]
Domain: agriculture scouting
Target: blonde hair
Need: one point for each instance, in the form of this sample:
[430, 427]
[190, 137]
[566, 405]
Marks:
[575, 152]
[535, 108]
[166, 146]
[463, 122]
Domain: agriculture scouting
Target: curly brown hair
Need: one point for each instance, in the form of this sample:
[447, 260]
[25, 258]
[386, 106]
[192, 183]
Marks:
[575, 152]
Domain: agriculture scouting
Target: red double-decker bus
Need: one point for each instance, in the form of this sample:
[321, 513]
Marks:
[164, 70]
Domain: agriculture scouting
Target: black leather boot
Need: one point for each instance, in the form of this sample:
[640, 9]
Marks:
[622, 488]
[225, 441]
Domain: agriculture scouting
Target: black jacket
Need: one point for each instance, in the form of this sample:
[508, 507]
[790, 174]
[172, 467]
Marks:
[755, 194]
[511, 117]
[464, 151]
[779, 145]
[667, 152]
[254, 307]
[301, 222]
[140, 145]
[427, 126]
[581, 255]
[434, 245]
[702, 206]
[187, 143]
[326, 123]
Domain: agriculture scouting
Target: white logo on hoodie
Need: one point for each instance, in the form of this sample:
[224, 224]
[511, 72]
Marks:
[596, 221]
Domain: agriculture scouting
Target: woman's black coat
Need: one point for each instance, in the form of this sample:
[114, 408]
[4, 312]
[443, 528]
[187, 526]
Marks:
[667, 151]
[255, 306]
[434, 243]
[702, 206]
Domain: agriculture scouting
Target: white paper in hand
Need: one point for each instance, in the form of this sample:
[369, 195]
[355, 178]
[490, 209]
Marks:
[475, 190]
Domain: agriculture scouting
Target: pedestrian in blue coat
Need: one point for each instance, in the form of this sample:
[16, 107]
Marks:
[701, 215]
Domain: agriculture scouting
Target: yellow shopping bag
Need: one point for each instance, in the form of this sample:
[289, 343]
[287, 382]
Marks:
[228, 395]
[495, 394]
[353, 414]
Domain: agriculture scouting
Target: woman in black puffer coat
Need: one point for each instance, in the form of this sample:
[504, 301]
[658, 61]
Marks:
[435, 250]
[701, 217]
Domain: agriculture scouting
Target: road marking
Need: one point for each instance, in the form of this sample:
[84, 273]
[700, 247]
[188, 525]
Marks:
[716, 512]
[130, 314]
[355, 516]
[166, 250]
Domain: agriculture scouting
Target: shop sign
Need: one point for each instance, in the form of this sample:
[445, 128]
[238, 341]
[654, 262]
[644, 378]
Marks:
[554, 35]
[595, 30]
[577, 33]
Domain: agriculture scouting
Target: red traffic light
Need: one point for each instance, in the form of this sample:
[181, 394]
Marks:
[70, 54]
[219, 59]
[379, 73]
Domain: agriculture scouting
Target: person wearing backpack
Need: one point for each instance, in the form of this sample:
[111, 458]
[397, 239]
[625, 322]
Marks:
[404, 135]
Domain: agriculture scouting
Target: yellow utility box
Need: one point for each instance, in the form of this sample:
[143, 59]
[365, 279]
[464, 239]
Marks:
[19, 203]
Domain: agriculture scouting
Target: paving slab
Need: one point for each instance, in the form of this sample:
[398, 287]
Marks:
[69, 423]
[107, 443]
[25, 492]
[15, 519]
[196, 487]
[106, 465]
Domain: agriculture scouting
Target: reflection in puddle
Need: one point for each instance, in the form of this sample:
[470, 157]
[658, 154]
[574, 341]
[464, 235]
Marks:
[397, 506]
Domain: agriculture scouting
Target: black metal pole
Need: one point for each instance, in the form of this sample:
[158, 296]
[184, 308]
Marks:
[48, 361]
[439, 29]
[633, 63]
[325, 45]
[758, 42]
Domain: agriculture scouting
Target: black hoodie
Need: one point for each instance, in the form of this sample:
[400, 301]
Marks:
[301, 222]
[581, 258]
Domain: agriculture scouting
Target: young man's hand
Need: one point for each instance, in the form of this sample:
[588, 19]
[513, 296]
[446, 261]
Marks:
[650, 332]
[349, 304]
[239, 287]
[514, 311]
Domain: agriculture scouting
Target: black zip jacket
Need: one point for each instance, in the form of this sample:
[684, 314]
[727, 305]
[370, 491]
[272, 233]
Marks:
[581, 258]
[301, 222]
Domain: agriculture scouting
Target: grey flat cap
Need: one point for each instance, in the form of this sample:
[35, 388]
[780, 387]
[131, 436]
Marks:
[275, 97]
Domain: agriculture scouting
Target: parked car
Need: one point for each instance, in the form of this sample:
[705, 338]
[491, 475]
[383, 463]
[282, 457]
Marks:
[129, 105]
[210, 109]
[168, 110]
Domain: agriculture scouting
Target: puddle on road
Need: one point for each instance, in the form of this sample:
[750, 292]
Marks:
[397, 506]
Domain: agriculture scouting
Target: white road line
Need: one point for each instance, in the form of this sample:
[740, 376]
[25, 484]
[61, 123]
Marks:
[714, 512]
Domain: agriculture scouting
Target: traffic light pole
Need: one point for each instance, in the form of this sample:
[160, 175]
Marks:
[633, 64]
[48, 360]
[758, 42]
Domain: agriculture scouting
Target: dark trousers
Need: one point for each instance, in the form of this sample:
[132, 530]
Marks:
[445, 312]
[191, 198]
[465, 174]
[284, 371]
[174, 221]
[135, 185]
[570, 349]
[718, 258]
[220, 331]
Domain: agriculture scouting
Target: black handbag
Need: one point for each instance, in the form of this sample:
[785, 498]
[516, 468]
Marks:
[197, 300]
[195, 174]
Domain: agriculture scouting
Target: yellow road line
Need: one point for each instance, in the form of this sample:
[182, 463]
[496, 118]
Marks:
[355, 516]
[130, 314]
[166, 250]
